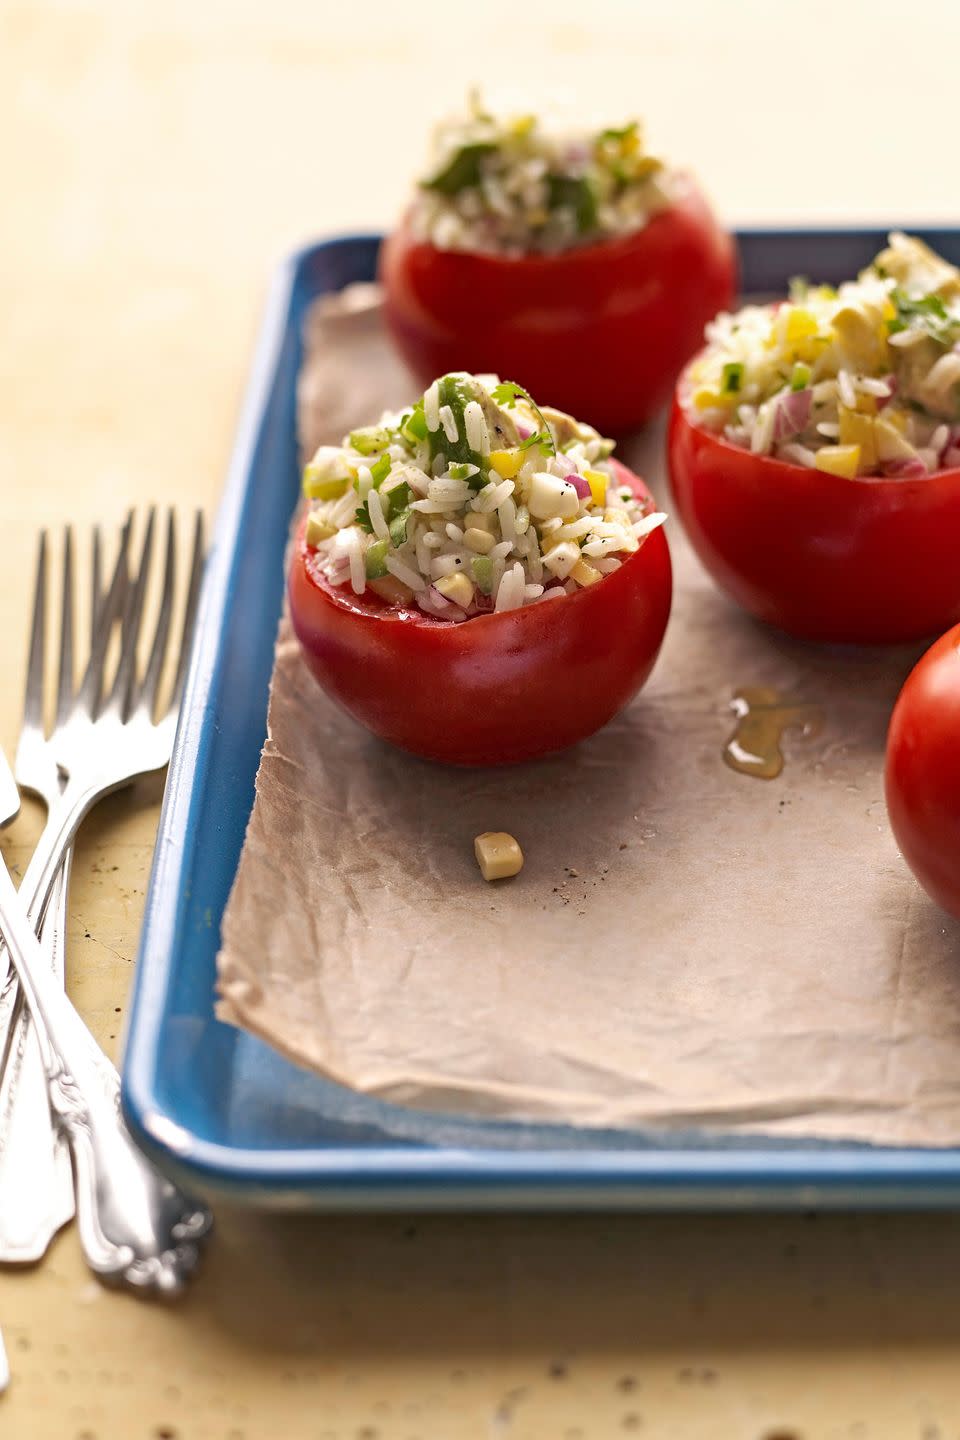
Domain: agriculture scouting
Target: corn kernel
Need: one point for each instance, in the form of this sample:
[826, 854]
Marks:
[506, 462]
[456, 588]
[479, 541]
[857, 429]
[498, 855]
[480, 520]
[841, 460]
[598, 483]
[318, 530]
[584, 573]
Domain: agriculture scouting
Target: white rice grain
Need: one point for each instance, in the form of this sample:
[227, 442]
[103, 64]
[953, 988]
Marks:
[478, 436]
[848, 395]
[431, 406]
[449, 422]
[406, 573]
[510, 589]
[358, 577]
[377, 518]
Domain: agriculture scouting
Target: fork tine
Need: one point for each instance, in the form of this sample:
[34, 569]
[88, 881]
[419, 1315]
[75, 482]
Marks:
[147, 697]
[96, 582]
[190, 613]
[92, 685]
[33, 694]
[65, 675]
[126, 675]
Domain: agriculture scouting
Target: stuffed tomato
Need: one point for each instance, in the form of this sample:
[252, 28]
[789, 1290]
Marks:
[577, 262]
[814, 452]
[923, 771]
[476, 580]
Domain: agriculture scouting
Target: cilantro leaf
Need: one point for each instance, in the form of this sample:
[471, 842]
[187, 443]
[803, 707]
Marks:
[362, 517]
[462, 171]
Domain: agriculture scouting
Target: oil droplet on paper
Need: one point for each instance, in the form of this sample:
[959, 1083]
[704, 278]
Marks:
[763, 714]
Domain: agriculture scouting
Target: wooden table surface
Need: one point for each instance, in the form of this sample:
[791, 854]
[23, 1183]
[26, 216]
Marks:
[157, 159]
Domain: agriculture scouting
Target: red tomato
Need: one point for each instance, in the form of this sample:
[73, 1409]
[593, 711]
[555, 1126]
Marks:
[869, 560]
[602, 329]
[923, 771]
[497, 688]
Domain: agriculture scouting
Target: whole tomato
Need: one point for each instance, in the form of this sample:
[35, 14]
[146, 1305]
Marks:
[923, 771]
[868, 560]
[603, 329]
[497, 688]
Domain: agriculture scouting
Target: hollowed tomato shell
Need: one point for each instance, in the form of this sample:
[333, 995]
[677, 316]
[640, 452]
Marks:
[869, 560]
[603, 329]
[494, 689]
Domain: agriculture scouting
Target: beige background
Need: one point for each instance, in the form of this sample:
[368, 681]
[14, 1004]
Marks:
[156, 159]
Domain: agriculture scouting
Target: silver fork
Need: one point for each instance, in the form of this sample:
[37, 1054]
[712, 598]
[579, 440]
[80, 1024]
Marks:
[140, 1227]
[97, 746]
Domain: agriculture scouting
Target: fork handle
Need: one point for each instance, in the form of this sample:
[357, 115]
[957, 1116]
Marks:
[135, 1225]
[36, 1182]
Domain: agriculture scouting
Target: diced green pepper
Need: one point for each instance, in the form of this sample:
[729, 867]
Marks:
[800, 378]
[375, 560]
[321, 487]
[370, 439]
[732, 381]
[413, 428]
[481, 567]
[398, 527]
[380, 471]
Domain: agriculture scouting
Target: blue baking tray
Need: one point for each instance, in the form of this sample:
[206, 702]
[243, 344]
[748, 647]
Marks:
[226, 1114]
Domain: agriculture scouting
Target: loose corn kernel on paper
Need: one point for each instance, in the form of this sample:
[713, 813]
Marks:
[685, 947]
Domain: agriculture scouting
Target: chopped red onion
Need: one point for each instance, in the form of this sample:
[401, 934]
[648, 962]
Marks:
[891, 383]
[792, 413]
[524, 431]
[903, 469]
[581, 486]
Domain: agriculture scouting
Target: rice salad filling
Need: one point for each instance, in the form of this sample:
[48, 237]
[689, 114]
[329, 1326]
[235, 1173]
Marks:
[860, 380]
[519, 183]
[474, 501]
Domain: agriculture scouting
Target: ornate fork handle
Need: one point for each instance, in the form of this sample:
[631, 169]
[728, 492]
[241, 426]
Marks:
[135, 1226]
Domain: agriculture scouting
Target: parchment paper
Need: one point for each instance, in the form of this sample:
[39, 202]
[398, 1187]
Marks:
[685, 946]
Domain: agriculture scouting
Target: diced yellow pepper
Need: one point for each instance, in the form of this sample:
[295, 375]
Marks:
[318, 530]
[598, 483]
[498, 855]
[800, 324]
[456, 588]
[841, 460]
[506, 462]
[706, 399]
[859, 336]
[858, 430]
[890, 441]
[585, 574]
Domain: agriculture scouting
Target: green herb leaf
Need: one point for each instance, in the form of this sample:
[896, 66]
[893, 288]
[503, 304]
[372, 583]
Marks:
[462, 170]
[362, 518]
[396, 499]
[507, 393]
[573, 192]
[928, 311]
[622, 134]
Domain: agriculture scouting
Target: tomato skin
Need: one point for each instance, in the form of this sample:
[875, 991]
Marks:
[869, 561]
[923, 771]
[602, 329]
[495, 689]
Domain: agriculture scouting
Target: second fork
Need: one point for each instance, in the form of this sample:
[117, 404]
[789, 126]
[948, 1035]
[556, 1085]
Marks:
[98, 745]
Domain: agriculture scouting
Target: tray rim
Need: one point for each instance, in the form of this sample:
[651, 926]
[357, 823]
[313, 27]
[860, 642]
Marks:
[805, 1175]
